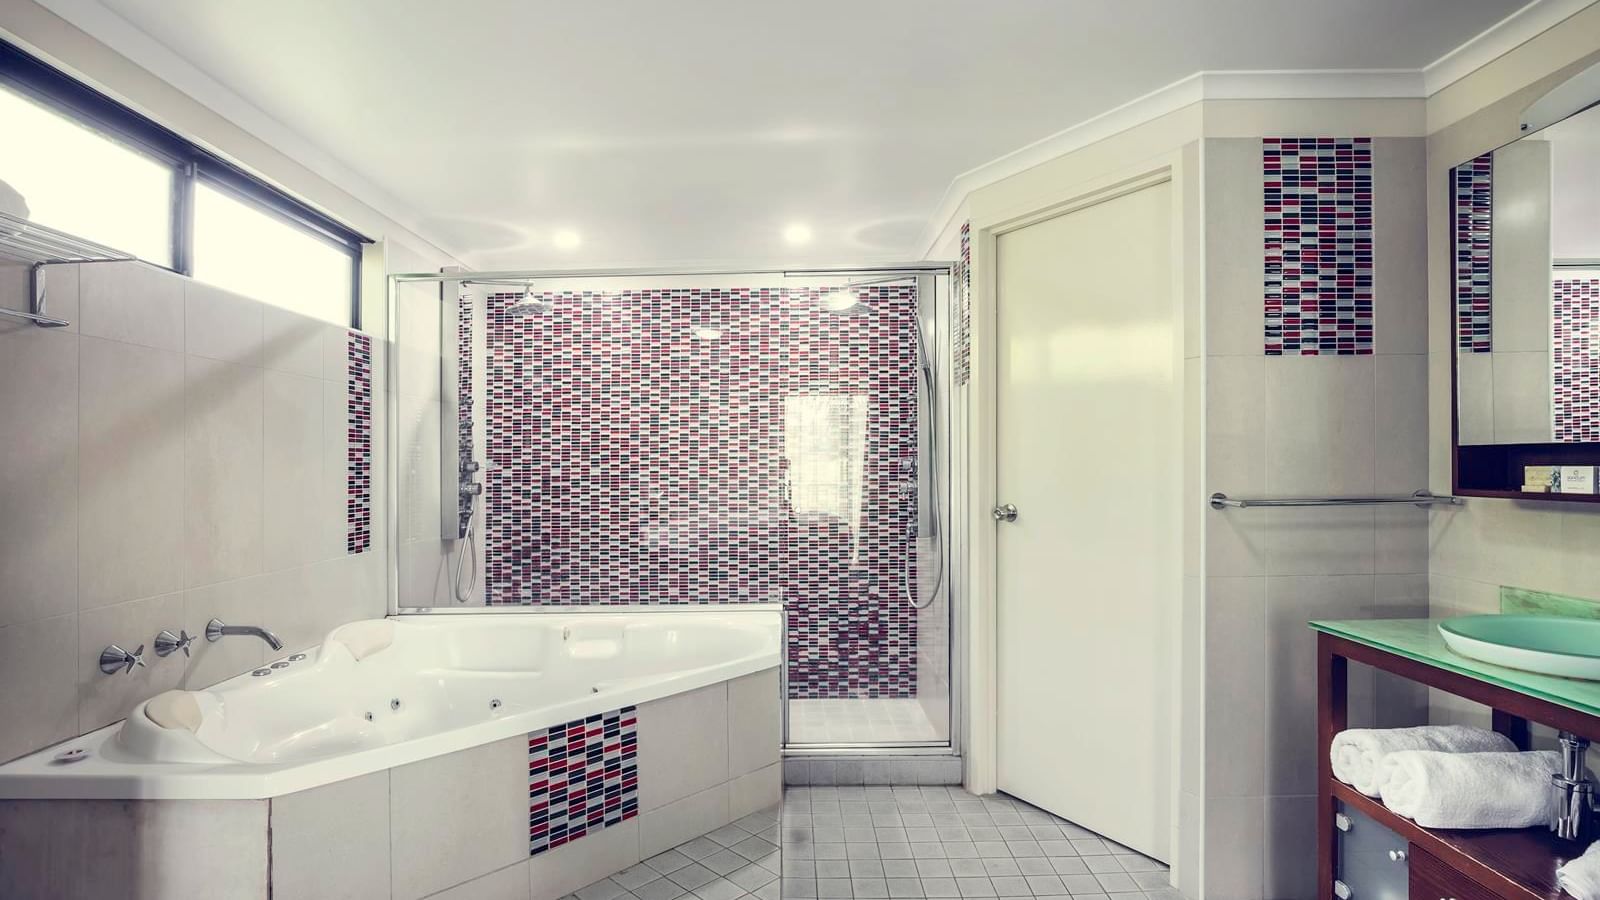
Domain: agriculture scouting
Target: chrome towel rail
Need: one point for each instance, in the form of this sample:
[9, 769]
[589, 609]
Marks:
[1420, 498]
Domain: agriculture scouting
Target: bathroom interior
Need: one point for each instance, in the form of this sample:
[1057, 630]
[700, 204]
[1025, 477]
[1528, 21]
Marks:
[487, 450]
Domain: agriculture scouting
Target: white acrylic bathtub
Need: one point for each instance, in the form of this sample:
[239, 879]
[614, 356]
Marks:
[388, 692]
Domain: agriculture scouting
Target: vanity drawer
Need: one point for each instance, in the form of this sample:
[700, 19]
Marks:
[1433, 880]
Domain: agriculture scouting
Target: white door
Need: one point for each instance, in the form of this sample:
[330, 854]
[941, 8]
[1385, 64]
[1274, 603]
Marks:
[1089, 419]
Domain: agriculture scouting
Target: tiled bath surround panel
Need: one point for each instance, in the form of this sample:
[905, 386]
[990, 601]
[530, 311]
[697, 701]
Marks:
[1575, 364]
[1472, 194]
[582, 776]
[630, 461]
[359, 514]
[1317, 199]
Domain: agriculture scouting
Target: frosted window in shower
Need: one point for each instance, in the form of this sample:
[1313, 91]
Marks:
[824, 448]
[84, 183]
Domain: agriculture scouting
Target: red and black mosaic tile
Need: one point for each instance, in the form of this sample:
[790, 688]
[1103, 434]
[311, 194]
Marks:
[358, 450]
[713, 445]
[1472, 192]
[1575, 362]
[1317, 203]
[582, 776]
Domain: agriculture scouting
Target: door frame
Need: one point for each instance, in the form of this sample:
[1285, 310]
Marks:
[981, 743]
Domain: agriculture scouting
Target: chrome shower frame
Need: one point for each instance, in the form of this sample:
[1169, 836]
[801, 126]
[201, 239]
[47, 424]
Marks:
[946, 488]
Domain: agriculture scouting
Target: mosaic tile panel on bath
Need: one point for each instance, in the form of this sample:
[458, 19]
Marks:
[633, 459]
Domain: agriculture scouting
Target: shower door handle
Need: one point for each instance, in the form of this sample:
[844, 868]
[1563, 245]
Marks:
[1006, 513]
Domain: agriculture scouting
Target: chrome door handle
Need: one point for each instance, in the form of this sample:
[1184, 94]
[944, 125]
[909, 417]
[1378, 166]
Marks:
[1006, 513]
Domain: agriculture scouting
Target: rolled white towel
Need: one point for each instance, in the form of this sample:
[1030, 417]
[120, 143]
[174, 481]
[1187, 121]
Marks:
[1470, 790]
[1358, 752]
[1581, 877]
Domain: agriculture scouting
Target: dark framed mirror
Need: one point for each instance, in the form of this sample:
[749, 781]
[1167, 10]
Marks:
[1526, 304]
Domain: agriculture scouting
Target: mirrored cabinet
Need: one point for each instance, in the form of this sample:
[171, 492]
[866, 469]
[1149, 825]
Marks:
[1526, 282]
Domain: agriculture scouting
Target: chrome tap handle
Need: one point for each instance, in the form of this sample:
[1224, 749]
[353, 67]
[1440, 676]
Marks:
[114, 658]
[167, 642]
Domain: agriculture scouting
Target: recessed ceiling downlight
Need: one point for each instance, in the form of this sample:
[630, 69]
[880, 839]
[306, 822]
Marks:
[566, 239]
[797, 234]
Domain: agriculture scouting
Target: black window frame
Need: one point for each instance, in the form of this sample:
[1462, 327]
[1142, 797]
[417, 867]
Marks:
[191, 164]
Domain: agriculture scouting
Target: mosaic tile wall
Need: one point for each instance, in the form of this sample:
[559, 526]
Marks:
[1317, 204]
[1575, 361]
[582, 776]
[963, 287]
[631, 461]
[1473, 195]
[358, 462]
[463, 401]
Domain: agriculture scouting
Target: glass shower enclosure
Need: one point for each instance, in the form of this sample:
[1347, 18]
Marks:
[633, 438]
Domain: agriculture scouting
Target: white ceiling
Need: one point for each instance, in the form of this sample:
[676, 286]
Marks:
[697, 130]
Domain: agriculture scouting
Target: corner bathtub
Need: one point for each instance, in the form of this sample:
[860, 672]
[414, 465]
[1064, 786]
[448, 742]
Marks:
[384, 693]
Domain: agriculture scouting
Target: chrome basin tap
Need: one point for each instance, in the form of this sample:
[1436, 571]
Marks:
[216, 631]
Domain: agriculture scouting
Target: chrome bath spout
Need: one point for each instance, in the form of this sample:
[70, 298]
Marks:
[216, 631]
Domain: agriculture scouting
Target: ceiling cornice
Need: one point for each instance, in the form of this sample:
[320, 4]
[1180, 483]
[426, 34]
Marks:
[1532, 19]
[1516, 29]
[1509, 33]
[106, 26]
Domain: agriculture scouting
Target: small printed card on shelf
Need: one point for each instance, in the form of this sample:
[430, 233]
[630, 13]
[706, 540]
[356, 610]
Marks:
[1577, 479]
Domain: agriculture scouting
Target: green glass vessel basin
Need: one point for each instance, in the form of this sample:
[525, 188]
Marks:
[1552, 645]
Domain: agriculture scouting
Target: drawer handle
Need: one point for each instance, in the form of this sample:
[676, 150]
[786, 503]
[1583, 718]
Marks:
[1400, 856]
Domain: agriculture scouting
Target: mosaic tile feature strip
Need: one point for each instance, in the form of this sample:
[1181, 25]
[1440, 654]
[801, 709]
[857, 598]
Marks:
[1575, 361]
[963, 283]
[358, 446]
[1317, 206]
[1473, 196]
[463, 402]
[582, 776]
[632, 459]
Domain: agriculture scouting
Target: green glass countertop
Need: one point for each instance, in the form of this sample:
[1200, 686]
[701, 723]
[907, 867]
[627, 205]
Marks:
[1419, 640]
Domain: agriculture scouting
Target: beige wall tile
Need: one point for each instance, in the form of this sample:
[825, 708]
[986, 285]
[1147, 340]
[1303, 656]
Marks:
[132, 302]
[1236, 668]
[296, 510]
[598, 854]
[130, 472]
[1235, 847]
[668, 826]
[135, 849]
[1320, 422]
[510, 883]
[754, 722]
[332, 842]
[39, 666]
[683, 745]
[39, 476]
[291, 342]
[459, 816]
[222, 472]
[763, 788]
[219, 324]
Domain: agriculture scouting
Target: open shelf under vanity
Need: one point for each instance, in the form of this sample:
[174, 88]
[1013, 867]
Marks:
[1514, 864]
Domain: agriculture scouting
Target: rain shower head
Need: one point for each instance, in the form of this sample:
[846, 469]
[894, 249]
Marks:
[529, 305]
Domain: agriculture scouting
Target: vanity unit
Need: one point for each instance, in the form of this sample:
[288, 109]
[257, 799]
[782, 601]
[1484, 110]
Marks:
[1373, 852]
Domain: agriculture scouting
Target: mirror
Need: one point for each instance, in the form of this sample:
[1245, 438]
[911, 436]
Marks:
[1527, 306]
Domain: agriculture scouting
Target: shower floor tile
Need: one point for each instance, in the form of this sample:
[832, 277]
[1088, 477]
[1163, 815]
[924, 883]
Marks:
[860, 721]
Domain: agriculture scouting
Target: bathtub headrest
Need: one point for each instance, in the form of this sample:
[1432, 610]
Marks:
[364, 638]
[178, 710]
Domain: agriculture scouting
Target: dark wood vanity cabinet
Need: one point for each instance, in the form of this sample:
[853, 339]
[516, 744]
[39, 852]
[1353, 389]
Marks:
[1494, 864]
[1431, 879]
